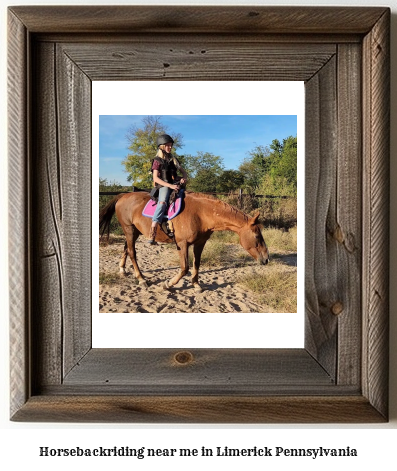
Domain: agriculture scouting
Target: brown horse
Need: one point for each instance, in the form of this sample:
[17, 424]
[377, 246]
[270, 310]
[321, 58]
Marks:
[201, 216]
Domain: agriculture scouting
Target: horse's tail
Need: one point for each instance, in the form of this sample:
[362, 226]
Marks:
[105, 216]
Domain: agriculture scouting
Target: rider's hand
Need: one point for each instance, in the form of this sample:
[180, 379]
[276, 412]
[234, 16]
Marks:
[174, 187]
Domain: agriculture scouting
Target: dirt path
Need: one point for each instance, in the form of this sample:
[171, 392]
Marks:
[222, 293]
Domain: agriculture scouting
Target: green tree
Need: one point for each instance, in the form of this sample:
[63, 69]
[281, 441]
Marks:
[204, 170]
[277, 162]
[230, 180]
[261, 157]
[277, 148]
[285, 164]
[143, 148]
[105, 185]
[255, 166]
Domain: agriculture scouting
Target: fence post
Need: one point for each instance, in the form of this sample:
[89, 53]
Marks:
[240, 197]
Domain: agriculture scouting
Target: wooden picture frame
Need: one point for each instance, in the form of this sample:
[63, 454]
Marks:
[342, 54]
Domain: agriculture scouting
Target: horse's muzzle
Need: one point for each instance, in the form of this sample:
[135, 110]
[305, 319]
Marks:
[263, 260]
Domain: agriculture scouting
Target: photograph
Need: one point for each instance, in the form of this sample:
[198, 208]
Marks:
[198, 213]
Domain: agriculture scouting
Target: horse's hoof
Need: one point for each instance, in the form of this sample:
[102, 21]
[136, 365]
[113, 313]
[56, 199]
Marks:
[198, 289]
[143, 284]
[165, 285]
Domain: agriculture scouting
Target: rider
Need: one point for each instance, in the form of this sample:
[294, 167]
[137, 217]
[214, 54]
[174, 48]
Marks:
[164, 169]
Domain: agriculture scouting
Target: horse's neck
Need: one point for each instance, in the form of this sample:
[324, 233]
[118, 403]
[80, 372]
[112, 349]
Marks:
[224, 217]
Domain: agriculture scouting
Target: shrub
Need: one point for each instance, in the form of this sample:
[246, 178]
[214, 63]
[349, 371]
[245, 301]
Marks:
[281, 241]
[115, 227]
[108, 278]
[277, 208]
[276, 287]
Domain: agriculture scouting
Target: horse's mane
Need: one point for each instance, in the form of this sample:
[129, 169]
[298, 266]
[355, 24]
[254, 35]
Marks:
[227, 206]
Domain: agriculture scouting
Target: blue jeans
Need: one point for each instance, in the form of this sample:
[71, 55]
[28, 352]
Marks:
[164, 195]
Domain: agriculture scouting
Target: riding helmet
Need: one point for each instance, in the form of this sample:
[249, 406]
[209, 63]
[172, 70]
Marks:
[164, 139]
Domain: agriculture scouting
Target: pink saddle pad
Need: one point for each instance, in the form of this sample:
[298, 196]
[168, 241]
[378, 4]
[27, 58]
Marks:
[172, 211]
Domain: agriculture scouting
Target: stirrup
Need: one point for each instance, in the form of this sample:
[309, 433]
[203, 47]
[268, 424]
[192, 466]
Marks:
[166, 229]
[165, 225]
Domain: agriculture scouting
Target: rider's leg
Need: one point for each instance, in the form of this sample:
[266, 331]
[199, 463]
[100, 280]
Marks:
[153, 233]
[164, 194]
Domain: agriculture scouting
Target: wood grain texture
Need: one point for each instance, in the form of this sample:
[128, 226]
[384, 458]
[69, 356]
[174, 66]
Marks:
[19, 226]
[193, 39]
[198, 19]
[341, 375]
[229, 370]
[199, 409]
[321, 278]
[62, 196]
[376, 91]
[47, 293]
[205, 60]
[74, 146]
[347, 225]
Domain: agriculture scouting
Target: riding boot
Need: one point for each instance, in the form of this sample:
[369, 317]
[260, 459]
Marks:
[152, 235]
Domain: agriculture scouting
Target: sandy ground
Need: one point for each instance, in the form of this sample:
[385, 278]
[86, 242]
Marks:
[221, 291]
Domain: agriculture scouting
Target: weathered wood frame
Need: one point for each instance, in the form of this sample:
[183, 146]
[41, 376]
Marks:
[342, 54]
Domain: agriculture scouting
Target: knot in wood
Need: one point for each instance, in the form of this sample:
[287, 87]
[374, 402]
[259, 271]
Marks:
[338, 235]
[183, 358]
[337, 308]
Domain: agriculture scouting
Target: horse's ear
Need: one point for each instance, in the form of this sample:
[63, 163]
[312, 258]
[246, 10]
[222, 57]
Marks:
[255, 219]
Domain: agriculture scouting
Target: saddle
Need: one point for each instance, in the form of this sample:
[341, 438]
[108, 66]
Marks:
[174, 206]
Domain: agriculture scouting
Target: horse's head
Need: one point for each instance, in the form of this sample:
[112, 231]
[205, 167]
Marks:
[252, 240]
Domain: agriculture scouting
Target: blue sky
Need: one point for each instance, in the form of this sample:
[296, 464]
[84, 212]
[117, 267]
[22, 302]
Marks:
[230, 137]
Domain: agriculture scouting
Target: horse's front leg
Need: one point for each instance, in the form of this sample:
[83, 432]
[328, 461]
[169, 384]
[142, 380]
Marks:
[132, 234]
[184, 261]
[197, 251]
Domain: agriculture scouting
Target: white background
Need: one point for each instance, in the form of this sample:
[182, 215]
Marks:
[20, 442]
[249, 330]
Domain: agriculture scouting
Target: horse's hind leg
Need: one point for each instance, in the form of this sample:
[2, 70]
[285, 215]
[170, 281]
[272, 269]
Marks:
[183, 258]
[123, 259]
